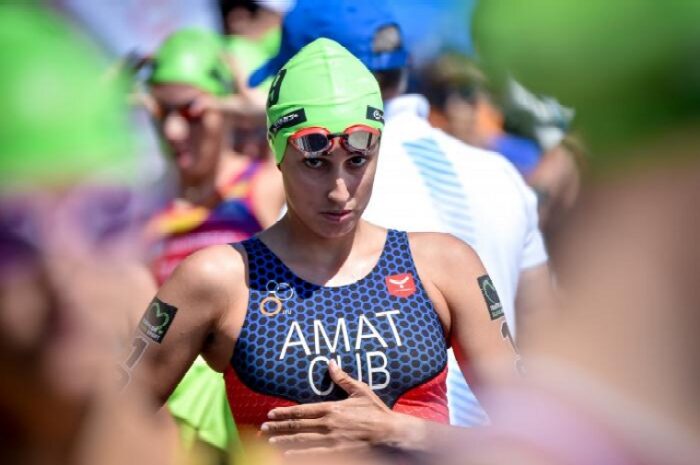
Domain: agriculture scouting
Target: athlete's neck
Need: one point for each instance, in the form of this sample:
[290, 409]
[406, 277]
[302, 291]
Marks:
[333, 261]
[205, 190]
[328, 251]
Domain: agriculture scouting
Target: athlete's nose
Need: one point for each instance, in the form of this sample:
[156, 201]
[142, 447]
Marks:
[340, 193]
[175, 128]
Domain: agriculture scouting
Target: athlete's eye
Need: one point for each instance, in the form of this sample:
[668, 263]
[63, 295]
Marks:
[314, 163]
[357, 161]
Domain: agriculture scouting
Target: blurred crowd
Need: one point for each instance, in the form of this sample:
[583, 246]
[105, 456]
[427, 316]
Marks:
[135, 134]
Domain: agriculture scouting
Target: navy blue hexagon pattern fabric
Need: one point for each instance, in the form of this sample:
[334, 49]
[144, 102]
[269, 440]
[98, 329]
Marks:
[382, 329]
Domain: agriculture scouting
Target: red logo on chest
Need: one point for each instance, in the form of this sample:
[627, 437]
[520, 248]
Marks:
[401, 285]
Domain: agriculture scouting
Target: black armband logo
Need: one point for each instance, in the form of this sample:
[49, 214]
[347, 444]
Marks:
[493, 303]
[157, 320]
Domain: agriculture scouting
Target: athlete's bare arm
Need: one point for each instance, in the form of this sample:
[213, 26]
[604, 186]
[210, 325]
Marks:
[199, 309]
[468, 304]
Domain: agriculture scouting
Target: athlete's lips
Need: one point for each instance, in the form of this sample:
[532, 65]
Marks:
[337, 216]
[184, 159]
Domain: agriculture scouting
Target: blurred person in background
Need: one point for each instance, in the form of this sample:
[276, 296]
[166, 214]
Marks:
[462, 105]
[69, 251]
[255, 20]
[280, 313]
[252, 29]
[135, 28]
[224, 196]
[615, 378]
[429, 181]
[428, 28]
[528, 130]
[252, 36]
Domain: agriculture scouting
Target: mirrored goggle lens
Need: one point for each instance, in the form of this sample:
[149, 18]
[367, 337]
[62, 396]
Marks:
[315, 142]
[362, 140]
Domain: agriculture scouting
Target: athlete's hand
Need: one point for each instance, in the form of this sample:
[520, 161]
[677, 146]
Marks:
[356, 423]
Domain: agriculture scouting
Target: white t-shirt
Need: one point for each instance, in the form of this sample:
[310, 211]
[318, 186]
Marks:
[429, 181]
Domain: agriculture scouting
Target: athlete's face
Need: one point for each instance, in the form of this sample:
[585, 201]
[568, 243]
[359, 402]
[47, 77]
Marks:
[328, 194]
[191, 127]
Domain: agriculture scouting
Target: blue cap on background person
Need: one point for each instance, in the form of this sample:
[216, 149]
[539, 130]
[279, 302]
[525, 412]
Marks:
[354, 24]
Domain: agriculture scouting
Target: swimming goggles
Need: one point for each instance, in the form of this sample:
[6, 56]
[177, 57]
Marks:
[317, 141]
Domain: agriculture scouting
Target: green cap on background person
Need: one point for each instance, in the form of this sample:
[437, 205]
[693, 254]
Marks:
[252, 54]
[630, 69]
[195, 57]
[62, 118]
[322, 85]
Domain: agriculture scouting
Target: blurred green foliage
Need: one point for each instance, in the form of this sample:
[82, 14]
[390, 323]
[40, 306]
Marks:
[630, 68]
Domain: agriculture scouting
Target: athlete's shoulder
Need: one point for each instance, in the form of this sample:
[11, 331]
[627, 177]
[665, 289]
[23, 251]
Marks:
[443, 254]
[212, 269]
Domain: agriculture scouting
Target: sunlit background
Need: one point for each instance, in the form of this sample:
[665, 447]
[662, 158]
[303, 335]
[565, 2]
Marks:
[596, 104]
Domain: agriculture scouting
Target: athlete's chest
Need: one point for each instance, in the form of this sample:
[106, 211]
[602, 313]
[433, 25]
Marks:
[382, 330]
[392, 343]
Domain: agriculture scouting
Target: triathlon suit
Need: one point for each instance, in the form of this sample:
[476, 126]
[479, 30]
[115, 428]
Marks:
[382, 330]
[177, 232]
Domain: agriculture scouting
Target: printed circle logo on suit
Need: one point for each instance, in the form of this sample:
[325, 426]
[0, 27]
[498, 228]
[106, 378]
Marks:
[278, 293]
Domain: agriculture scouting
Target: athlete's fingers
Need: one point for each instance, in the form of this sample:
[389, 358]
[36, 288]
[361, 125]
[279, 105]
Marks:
[316, 410]
[294, 426]
[301, 440]
[344, 380]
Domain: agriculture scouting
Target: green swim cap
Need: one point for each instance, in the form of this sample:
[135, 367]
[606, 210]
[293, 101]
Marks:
[252, 54]
[322, 85]
[195, 57]
[61, 117]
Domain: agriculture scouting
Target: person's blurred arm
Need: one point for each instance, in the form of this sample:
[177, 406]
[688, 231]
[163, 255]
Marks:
[535, 301]
[246, 101]
[534, 298]
[249, 106]
[557, 182]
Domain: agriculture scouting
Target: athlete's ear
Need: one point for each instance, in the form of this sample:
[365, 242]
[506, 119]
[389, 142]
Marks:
[346, 382]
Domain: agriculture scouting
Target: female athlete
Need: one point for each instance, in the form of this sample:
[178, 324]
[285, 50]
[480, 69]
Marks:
[331, 332]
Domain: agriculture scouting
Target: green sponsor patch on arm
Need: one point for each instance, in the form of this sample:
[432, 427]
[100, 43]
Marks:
[493, 302]
[157, 320]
